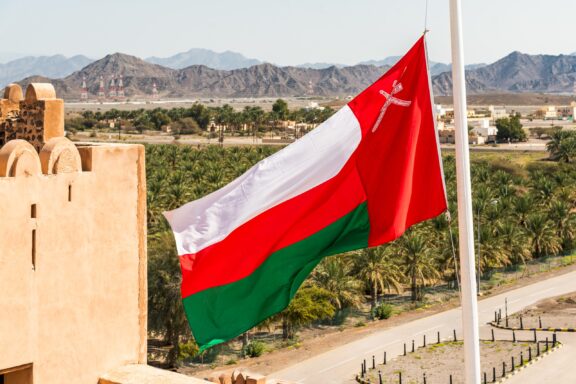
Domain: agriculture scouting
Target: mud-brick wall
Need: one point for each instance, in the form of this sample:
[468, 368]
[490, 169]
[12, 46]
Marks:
[30, 125]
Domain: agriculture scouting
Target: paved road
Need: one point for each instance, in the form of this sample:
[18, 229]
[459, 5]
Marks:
[342, 363]
[559, 366]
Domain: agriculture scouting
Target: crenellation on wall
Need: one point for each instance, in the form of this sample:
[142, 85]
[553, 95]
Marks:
[36, 118]
[9, 110]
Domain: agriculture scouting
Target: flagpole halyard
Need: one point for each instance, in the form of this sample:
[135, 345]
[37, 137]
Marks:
[464, 189]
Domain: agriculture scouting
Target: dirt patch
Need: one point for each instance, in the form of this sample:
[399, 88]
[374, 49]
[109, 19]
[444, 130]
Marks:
[439, 361]
[556, 312]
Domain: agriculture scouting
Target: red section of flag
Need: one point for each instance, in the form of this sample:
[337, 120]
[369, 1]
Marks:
[398, 158]
[245, 249]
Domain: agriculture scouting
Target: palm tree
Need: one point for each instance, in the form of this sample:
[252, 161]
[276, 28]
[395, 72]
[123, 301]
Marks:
[523, 205]
[514, 242]
[491, 254]
[543, 238]
[335, 275]
[562, 146]
[376, 268]
[419, 265]
[565, 222]
[165, 311]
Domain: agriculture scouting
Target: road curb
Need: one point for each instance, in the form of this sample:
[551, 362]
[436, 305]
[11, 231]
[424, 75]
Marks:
[496, 325]
[528, 364]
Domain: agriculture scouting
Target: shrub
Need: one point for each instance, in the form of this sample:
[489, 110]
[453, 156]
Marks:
[382, 311]
[254, 349]
[188, 350]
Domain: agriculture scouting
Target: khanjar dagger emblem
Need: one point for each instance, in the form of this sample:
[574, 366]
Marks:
[390, 99]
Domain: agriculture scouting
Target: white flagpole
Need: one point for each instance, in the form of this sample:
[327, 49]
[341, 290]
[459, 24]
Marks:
[466, 232]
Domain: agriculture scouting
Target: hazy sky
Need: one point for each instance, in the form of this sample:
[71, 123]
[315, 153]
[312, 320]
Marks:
[284, 32]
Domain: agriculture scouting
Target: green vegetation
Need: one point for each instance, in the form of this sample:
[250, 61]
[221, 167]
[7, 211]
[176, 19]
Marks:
[524, 210]
[201, 120]
[382, 311]
[562, 146]
[254, 349]
[510, 129]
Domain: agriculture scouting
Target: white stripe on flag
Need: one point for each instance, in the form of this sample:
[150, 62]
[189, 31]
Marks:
[301, 166]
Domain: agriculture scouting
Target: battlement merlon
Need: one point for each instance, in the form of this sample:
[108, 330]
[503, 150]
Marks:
[36, 118]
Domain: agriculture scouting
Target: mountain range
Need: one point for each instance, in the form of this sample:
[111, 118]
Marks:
[517, 72]
[197, 56]
[50, 66]
[513, 73]
[262, 80]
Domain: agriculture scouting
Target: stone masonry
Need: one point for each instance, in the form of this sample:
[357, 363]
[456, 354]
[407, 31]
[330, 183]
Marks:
[37, 118]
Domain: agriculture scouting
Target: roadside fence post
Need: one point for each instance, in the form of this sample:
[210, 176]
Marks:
[521, 323]
[384, 357]
[404, 349]
[400, 377]
[535, 339]
[521, 358]
[485, 378]
[503, 369]
[539, 322]
[380, 377]
[493, 374]
[529, 353]
[424, 345]
[513, 365]
[492, 334]
[513, 336]
[450, 378]
[373, 362]
[546, 344]
[424, 376]
[412, 345]
[455, 339]
[553, 339]
[438, 338]
[538, 348]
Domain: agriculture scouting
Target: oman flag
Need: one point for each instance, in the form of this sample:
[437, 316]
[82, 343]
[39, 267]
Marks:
[358, 180]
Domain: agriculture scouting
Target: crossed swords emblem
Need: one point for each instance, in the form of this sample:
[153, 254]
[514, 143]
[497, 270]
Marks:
[390, 99]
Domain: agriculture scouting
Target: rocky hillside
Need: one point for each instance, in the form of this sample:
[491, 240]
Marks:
[517, 72]
[263, 80]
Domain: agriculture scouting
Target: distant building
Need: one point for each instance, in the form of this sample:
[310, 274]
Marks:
[443, 112]
[482, 128]
[550, 113]
[314, 106]
[497, 112]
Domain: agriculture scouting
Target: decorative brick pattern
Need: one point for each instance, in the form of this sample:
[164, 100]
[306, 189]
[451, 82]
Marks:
[36, 119]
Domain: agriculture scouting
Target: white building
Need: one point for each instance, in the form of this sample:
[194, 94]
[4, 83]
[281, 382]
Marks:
[550, 113]
[497, 112]
[482, 128]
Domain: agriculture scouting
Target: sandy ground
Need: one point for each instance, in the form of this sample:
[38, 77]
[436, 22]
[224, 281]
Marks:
[557, 312]
[439, 361]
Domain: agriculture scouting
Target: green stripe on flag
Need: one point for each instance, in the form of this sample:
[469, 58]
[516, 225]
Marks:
[222, 313]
